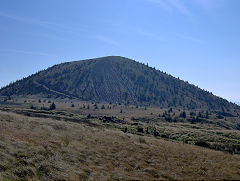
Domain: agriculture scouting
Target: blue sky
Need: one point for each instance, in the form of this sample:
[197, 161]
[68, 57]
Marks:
[196, 40]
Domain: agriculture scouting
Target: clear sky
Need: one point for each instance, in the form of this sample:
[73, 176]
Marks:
[196, 40]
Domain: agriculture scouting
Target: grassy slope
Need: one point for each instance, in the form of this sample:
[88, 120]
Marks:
[42, 148]
[218, 134]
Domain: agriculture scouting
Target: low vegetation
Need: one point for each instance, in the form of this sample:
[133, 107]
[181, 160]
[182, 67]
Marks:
[115, 142]
[43, 148]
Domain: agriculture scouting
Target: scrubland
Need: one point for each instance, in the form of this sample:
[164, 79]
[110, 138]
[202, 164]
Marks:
[45, 149]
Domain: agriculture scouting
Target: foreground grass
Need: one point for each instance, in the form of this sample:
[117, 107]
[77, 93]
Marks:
[43, 148]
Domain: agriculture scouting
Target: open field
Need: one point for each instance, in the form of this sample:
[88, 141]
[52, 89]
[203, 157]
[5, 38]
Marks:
[212, 129]
[121, 142]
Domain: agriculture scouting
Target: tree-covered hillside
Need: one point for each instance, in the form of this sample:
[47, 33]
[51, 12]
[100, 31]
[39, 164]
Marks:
[115, 80]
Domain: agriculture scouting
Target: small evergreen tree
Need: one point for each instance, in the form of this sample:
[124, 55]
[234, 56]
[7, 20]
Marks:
[147, 131]
[183, 114]
[207, 115]
[200, 115]
[52, 106]
[89, 116]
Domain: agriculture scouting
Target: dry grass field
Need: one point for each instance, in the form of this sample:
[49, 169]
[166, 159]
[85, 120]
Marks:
[89, 141]
[46, 148]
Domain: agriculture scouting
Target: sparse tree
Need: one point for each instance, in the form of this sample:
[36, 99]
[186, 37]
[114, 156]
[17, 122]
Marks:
[52, 106]
[147, 131]
[200, 115]
[207, 115]
[32, 107]
[183, 114]
[89, 116]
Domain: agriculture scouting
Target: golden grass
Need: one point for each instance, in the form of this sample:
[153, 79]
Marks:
[39, 148]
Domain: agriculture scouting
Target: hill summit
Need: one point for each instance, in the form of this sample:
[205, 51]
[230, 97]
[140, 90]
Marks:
[115, 79]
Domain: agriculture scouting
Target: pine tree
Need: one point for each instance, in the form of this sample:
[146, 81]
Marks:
[52, 106]
[183, 114]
